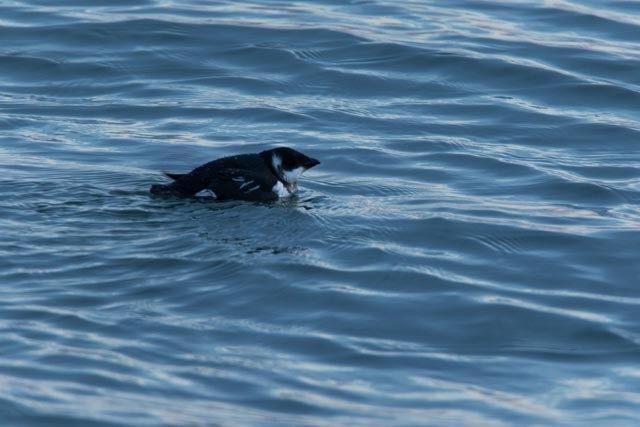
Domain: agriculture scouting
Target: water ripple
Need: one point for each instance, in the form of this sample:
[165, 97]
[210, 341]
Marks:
[466, 253]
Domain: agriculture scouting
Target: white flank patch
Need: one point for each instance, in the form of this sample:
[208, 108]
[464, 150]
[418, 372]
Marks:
[249, 190]
[238, 179]
[280, 190]
[206, 193]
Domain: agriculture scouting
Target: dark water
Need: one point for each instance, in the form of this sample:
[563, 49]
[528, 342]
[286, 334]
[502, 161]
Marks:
[466, 254]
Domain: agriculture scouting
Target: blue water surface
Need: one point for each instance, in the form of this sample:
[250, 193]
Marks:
[467, 253]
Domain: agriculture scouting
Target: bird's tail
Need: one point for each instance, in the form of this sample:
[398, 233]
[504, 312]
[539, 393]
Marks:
[174, 176]
[160, 190]
[166, 190]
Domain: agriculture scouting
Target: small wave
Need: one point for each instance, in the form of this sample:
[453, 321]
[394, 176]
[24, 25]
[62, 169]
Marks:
[474, 216]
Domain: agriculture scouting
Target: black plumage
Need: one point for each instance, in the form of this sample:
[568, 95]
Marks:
[242, 177]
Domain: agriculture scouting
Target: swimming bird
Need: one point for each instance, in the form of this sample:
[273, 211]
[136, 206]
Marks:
[262, 176]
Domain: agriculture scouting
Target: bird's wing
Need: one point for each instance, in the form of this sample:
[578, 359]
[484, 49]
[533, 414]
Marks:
[243, 181]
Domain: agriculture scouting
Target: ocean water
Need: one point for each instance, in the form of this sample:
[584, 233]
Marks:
[467, 253]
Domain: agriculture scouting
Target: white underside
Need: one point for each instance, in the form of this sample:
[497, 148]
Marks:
[280, 190]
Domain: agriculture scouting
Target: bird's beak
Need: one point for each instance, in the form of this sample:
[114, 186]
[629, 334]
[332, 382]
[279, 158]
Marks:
[311, 163]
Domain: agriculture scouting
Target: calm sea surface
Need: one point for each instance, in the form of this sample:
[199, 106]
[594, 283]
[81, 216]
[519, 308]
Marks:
[467, 253]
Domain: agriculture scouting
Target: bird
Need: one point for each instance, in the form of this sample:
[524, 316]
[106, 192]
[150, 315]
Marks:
[264, 176]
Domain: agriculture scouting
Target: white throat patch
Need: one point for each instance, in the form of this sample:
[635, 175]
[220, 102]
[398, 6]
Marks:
[292, 176]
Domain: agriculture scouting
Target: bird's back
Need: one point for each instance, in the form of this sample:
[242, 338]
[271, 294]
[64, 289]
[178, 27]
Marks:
[214, 175]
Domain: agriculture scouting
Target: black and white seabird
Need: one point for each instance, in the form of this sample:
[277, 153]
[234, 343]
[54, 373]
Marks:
[261, 176]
